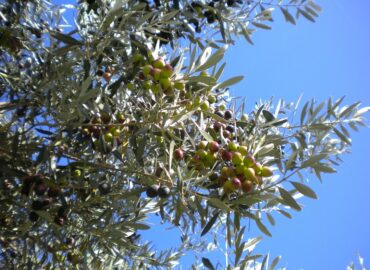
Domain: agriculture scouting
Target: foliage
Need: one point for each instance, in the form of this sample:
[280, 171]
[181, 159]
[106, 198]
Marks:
[360, 264]
[125, 116]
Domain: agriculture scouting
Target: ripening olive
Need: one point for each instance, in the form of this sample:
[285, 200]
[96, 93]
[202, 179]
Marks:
[247, 186]
[179, 154]
[236, 182]
[228, 114]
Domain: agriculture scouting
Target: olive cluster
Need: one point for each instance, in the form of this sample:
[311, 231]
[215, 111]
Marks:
[155, 76]
[193, 101]
[162, 191]
[47, 195]
[207, 11]
[241, 171]
[234, 167]
[107, 127]
[237, 169]
[204, 11]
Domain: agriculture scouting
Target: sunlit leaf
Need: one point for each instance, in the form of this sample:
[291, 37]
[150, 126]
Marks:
[304, 189]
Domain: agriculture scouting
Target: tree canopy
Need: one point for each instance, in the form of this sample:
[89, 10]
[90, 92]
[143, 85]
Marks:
[119, 113]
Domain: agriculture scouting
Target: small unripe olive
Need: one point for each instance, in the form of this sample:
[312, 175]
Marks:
[108, 137]
[237, 158]
[266, 171]
[202, 145]
[244, 117]
[228, 187]
[166, 83]
[249, 173]
[146, 70]
[212, 99]
[179, 85]
[232, 146]
[76, 173]
[159, 63]
[243, 150]
[204, 105]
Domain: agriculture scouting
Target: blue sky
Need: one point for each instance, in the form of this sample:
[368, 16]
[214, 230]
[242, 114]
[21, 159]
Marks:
[328, 58]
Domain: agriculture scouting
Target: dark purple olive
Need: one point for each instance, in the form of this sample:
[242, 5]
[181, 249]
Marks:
[152, 191]
[163, 192]
[33, 216]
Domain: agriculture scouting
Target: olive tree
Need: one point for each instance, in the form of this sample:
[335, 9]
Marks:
[119, 113]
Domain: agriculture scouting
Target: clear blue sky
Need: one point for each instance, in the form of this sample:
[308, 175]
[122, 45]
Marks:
[328, 58]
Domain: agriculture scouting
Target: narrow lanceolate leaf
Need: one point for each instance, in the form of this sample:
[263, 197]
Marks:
[288, 17]
[311, 161]
[271, 219]
[348, 110]
[218, 204]
[342, 137]
[361, 112]
[303, 113]
[230, 82]
[138, 226]
[172, 146]
[306, 15]
[251, 244]
[66, 38]
[325, 168]
[263, 228]
[289, 200]
[265, 261]
[110, 17]
[285, 213]
[210, 223]
[261, 25]
[274, 263]
[212, 60]
[204, 134]
[207, 263]
[304, 189]
[268, 115]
